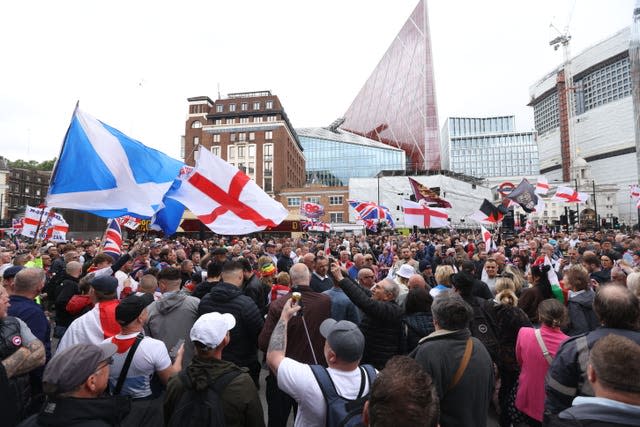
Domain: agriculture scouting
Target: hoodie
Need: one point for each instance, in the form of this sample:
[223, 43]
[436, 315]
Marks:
[240, 402]
[582, 318]
[171, 319]
[227, 298]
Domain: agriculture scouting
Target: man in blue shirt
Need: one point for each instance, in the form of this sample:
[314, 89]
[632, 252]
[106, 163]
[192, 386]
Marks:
[341, 306]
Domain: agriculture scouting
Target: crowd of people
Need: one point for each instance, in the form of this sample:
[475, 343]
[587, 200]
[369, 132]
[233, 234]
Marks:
[378, 330]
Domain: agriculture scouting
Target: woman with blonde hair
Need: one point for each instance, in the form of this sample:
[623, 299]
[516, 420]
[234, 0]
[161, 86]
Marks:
[509, 320]
[443, 280]
[519, 281]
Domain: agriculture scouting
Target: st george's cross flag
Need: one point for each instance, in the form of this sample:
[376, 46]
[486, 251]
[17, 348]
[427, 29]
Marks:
[542, 186]
[569, 195]
[49, 224]
[105, 172]
[112, 242]
[487, 238]
[225, 199]
[422, 216]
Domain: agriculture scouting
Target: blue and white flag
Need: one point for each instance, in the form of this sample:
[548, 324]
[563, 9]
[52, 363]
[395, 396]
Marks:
[105, 172]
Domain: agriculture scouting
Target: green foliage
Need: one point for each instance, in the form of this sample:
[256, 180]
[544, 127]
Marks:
[46, 165]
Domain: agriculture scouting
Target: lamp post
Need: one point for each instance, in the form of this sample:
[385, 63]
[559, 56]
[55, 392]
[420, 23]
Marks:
[595, 203]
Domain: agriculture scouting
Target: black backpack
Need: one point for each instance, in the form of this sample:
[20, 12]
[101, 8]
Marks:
[201, 409]
[343, 412]
[484, 326]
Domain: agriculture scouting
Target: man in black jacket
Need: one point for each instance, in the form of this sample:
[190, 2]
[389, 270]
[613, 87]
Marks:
[64, 293]
[381, 320]
[226, 297]
[252, 286]
[75, 380]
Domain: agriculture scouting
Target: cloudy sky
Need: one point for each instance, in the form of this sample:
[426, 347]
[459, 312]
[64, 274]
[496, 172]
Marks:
[133, 64]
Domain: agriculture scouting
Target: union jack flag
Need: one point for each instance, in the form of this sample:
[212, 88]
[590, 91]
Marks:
[316, 226]
[372, 211]
[113, 239]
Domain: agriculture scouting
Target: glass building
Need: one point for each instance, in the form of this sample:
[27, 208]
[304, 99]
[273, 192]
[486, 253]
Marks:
[488, 146]
[333, 156]
[397, 104]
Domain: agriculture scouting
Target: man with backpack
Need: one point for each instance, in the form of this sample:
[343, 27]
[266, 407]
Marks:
[326, 396]
[211, 391]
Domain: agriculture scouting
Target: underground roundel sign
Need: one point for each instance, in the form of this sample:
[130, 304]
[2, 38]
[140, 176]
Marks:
[506, 188]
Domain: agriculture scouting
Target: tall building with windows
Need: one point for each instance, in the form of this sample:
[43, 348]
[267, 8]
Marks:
[397, 104]
[487, 147]
[334, 155]
[598, 128]
[251, 131]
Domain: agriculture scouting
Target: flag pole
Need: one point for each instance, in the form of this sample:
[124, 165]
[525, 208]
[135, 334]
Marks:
[55, 165]
[39, 222]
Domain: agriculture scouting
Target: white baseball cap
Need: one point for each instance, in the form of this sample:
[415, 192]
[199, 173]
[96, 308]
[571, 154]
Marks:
[406, 271]
[211, 328]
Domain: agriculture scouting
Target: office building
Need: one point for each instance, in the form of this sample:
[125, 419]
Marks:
[599, 126]
[251, 131]
[397, 104]
[488, 147]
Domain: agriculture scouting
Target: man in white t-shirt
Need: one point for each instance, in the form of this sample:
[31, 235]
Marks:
[343, 350]
[149, 357]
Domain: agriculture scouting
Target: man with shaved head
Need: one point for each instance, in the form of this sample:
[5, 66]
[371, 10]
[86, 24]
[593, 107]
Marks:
[417, 281]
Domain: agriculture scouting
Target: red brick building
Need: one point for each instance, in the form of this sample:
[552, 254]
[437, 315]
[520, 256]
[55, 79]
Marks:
[334, 200]
[251, 131]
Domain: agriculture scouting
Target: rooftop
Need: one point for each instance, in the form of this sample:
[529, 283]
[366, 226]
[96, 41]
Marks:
[341, 135]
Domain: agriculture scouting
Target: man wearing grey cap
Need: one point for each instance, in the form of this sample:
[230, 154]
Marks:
[75, 380]
[343, 350]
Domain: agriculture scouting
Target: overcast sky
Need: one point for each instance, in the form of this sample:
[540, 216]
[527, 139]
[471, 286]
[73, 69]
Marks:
[133, 63]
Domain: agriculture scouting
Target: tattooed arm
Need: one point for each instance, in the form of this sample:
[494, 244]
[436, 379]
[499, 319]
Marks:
[24, 360]
[278, 343]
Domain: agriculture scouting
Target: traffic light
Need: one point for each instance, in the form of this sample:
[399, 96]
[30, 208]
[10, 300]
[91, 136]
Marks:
[616, 224]
[563, 220]
[572, 217]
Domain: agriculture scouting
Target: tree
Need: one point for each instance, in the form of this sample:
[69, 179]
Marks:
[46, 165]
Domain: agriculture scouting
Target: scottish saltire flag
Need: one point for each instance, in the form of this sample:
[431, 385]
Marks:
[225, 199]
[112, 242]
[105, 172]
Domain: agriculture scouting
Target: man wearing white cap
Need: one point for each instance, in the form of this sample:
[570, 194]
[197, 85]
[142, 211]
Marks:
[402, 279]
[240, 402]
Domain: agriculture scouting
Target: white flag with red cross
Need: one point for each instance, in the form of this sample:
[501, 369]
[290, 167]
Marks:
[542, 186]
[423, 216]
[225, 199]
[487, 238]
[569, 195]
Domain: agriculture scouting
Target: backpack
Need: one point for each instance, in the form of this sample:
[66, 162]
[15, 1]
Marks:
[484, 327]
[343, 412]
[201, 409]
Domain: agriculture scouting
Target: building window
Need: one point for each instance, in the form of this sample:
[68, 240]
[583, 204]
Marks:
[268, 185]
[335, 200]
[604, 85]
[196, 141]
[232, 137]
[257, 119]
[244, 120]
[37, 192]
[256, 105]
[272, 118]
[313, 199]
[335, 217]
[231, 153]
[196, 125]
[293, 201]
[268, 105]
[267, 151]
[216, 137]
[218, 121]
[268, 135]
[219, 108]
[252, 152]
[231, 121]
[252, 136]
[26, 190]
[242, 136]
[215, 150]
[545, 113]
[244, 106]
[232, 107]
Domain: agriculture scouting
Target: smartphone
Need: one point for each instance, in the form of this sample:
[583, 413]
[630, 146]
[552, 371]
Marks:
[174, 350]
